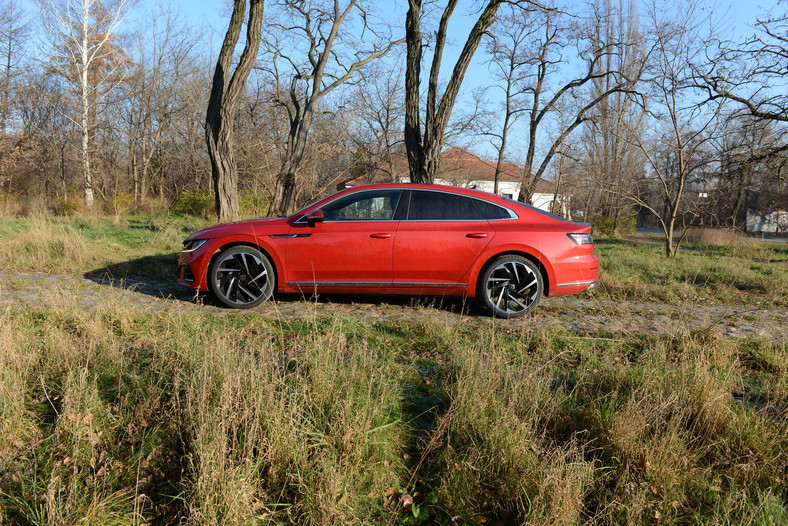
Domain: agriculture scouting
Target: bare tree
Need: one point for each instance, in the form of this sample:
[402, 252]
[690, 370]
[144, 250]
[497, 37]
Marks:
[153, 91]
[507, 50]
[424, 147]
[751, 74]
[14, 33]
[332, 58]
[379, 100]
[548, 52]
[85, 32]
[223, 104]
[678, 152]
[613, 163]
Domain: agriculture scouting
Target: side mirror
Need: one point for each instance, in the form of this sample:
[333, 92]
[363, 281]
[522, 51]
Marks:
[315, 217]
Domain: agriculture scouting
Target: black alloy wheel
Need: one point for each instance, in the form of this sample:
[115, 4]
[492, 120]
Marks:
[511, 286]
[242, 277]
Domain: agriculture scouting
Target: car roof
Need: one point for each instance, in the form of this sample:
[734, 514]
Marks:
[434, 187]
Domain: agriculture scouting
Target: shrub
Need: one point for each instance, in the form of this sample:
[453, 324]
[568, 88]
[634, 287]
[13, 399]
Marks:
[201, 203]
[194, 202]
[608, 226]
[122, 203]
[66, 205]
[252, 205]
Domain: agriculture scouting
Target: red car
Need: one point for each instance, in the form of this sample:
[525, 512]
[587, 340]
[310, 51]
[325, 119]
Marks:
[397, 239]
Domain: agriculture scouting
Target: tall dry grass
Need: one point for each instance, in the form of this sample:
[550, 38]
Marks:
[119, 414]
[44, 244]
[721, 237]
[498, 456]
[310, 436]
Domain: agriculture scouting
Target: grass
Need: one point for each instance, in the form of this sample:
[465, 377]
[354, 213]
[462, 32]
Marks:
[138, 245]
[634, 271]
[752, 273]
[122, 414]
[127, 416]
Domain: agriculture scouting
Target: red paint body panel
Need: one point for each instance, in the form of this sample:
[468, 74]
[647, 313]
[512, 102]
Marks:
[341, 252]
[398, 256]
[451, 250]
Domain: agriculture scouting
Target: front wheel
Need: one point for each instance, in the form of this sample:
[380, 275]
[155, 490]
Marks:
[241, 277]
[510, 286]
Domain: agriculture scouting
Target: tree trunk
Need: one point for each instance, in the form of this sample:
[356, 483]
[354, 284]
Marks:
[283, 194]
[413, 144]
[85, 96]
[424, 150]
[220, 116]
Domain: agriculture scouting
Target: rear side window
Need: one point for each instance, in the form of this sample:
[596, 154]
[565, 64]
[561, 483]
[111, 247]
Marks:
[491, 211]
[440, 206]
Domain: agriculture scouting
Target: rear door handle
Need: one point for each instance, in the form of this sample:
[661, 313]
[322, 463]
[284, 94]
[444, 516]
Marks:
[382, 235]
[477, 234]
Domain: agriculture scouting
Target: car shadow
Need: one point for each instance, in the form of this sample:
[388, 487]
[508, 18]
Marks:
[154, 276]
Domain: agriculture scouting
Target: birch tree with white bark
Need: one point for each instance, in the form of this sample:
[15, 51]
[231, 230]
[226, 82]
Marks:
[84, 32]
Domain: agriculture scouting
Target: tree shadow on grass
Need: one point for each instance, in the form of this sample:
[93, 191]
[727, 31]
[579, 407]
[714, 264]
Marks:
[154, 276]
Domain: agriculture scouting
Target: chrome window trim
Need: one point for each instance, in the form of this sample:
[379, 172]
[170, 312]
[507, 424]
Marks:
[302, 220]
[512, 213]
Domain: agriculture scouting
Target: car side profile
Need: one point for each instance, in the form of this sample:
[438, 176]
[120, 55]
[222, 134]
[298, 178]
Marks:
[397, 239]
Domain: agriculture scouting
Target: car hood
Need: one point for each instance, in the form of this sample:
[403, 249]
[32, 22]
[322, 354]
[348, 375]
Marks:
[225, 229]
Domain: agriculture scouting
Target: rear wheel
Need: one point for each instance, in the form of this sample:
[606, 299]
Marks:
[242, 277]
[510, 286]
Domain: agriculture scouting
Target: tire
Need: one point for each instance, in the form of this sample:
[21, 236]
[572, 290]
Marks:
[242, 277]
[510, 286]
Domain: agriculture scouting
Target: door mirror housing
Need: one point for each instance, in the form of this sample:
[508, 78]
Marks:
[315, 217]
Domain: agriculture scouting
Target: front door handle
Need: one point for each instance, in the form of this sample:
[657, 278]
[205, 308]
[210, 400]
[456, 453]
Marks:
[477, 234]
[382, 235]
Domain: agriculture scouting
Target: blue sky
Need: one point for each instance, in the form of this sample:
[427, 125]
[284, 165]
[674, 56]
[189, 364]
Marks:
[735, 16]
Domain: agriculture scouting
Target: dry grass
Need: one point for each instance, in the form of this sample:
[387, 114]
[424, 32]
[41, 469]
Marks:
[721, 237]
[124, 415]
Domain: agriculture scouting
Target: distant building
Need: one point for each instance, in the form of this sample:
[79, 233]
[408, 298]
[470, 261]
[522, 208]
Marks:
[461, 168]
[770, 221]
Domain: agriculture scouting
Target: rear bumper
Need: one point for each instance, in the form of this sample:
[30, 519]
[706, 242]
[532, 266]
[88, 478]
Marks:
[575, 275]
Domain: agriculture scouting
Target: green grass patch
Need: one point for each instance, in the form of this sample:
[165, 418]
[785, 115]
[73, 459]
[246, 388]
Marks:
[139, 246]
[640, 272]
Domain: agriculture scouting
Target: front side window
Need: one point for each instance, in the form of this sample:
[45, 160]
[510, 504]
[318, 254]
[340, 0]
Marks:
[374, 205]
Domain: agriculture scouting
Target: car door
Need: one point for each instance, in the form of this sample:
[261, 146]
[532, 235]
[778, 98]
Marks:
[440, 239]
[352, 245]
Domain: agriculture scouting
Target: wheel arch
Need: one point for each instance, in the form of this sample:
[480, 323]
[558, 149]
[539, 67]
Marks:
[545, 270]
[246, 243]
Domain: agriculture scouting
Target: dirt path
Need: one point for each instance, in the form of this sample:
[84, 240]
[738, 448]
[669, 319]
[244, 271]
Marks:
[583, 313]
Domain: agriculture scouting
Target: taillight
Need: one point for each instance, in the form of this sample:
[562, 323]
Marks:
[581, 239]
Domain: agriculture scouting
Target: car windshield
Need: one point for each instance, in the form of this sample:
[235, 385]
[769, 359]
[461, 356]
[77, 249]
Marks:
[307, 207]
